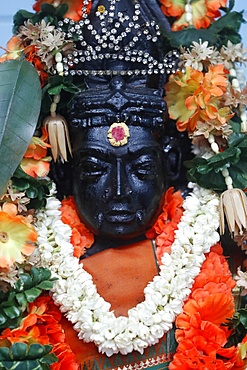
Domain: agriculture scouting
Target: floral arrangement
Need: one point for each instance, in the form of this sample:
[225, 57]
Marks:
[207, 99]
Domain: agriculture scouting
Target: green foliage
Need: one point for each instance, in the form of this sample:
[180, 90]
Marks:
[57, 85]
[20, 356]
[207, 172]
[238, 325]
[19, 85]
[35, 189]
[223, 29]
[26, 290]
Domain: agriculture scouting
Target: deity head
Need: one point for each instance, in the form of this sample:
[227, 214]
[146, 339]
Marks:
[121, 164]
[121, 161]
[118, 176]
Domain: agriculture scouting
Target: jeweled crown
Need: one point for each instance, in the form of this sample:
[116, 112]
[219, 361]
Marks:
[118, 38]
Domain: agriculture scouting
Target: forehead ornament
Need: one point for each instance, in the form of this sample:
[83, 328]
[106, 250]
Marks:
[118, 134]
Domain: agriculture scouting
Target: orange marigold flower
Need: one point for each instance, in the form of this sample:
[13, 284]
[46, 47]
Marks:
[203, 12]
[48, 316]
[166, 224]
[42, 326]
[17, 238]
[197, 97]
[74, 7]
[81, 237]
[208, 338]
[24, 336]
[172, 210]
[192, 359]
[201, 337]
[215, 269]
[210, 291]
[66, 358]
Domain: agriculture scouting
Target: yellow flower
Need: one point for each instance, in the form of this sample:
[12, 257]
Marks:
[16, 239]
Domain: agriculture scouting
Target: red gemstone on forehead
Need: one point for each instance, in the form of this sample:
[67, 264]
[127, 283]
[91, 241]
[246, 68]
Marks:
[118, 133]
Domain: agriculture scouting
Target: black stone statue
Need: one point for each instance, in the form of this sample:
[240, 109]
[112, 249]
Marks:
[125, 156]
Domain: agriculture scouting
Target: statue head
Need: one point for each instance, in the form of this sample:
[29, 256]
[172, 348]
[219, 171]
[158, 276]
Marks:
[121, 162]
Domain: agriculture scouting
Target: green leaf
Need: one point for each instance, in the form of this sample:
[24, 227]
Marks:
[25, 280]
[32, 294]
[20, 356]
[20, 17]
[21, 300]
[61, 10]
[185, 37]
[21, 181]
[4, 354]
[48, 9]
[12, 312]
[18, 351]
[243, 317]
[45, 285]
[20, 101]
[32, 192]
[37, 349]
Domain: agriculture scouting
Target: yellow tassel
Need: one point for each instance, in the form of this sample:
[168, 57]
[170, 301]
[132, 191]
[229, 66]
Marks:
[58, 132]
[233, 207]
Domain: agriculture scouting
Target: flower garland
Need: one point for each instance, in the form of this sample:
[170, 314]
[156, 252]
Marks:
[200, 332]
[146, 323]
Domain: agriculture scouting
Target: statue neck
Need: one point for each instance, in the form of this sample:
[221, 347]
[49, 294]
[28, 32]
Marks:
[121, 274]
[101, 243]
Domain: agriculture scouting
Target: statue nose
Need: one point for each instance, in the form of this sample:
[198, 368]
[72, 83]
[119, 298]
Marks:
[121, 186]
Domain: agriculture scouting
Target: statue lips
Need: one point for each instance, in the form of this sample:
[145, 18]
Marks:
[119, 215]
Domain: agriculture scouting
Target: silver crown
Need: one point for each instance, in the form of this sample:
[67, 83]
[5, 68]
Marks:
[110, 35]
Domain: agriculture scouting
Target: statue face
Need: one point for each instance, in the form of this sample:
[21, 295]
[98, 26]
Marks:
[118, 190]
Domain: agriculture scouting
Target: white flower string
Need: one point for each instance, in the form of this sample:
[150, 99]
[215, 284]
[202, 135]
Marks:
[77, 296]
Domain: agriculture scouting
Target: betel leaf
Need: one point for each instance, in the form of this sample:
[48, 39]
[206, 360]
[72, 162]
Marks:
[20, 101]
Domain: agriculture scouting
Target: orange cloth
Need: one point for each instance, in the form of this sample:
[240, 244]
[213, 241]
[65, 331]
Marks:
[120, 274]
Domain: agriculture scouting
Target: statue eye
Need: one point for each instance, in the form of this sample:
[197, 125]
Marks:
[144, 169]
[91, 169]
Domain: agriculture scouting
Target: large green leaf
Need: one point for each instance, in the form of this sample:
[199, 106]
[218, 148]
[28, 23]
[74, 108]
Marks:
[20, 101]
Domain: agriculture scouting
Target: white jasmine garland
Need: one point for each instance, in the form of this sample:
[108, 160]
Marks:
[77, 296]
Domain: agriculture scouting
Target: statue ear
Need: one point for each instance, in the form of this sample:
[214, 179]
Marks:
[60, 173]
[172, 159]
[176, 149]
